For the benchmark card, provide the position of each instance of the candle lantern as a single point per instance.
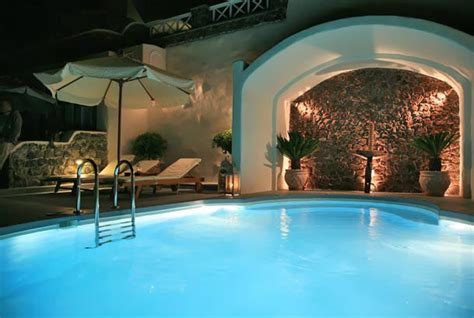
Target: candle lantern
(224, 171)
(232, 184)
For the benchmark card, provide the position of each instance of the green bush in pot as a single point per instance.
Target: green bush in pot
(149, 146)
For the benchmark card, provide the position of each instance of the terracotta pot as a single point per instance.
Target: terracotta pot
(434, 183)
(296, 178)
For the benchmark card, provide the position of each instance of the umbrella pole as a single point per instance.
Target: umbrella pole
(119, 134)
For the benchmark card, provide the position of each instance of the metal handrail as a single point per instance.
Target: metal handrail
(132, 191)
(77, 211)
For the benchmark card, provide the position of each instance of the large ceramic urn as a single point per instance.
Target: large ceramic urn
(434, 183)
(296, 178)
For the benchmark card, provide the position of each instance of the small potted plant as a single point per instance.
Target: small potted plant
(434, 182)
(295, 148)
(223, 140)
(149, 146)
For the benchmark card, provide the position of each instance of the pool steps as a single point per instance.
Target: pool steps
(103, 233)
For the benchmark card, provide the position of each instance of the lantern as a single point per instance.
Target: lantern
(232, 184)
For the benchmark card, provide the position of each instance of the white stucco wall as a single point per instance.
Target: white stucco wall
(311, 56)
(208, 62)
(134, 121)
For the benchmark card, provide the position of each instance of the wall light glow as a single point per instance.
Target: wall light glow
(438, 99)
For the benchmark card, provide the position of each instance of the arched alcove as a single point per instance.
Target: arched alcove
(396, 106)
(264, 90)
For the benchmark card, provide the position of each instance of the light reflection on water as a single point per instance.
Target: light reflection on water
(284, 224)
(372, 228)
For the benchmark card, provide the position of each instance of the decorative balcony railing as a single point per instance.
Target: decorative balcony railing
(237, 8)
(171, 25)
(224, 11)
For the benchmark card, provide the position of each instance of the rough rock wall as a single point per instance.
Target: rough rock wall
(402, 104)
(31, 161)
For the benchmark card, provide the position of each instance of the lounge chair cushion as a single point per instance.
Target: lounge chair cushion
(179, 169)
(148, 166)
(109, 169)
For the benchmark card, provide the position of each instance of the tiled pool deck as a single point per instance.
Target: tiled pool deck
(20, 208)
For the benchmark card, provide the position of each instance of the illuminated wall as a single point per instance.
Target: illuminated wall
(263, 91)
(402, 104)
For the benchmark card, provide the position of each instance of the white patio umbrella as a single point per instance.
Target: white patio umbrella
(117, 81)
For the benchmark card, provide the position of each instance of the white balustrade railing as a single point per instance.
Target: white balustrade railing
(171, 25)
(220, 12)
(237, 8)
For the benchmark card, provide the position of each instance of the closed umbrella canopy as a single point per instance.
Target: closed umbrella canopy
(26, 90)
(117, 81)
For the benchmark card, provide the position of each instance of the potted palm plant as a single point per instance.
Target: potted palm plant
(295, 148)
(433, 181)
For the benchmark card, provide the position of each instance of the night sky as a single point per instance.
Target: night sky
(53, 30)
(154, 10)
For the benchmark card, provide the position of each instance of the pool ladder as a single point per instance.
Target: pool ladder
(104, 233)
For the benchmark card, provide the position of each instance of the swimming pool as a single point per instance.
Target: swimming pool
(307, 257)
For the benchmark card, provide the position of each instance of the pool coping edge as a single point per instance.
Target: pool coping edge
(72, 220)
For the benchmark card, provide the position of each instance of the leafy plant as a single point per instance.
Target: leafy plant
(149, 146)
(223, 140)
(434, 145)
(296, 147)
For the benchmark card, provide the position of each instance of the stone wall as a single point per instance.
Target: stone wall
(31, 161)
(402, 104)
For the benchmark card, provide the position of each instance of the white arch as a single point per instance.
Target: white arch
(263, 90)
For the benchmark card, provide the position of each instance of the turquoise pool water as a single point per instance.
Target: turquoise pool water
(268, 259)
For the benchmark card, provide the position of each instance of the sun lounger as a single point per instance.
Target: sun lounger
(147, 167)
(105, 176)
(174, 175)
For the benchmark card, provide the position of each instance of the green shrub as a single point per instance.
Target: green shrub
(149, 146)
(223, 140)
(296, 147)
